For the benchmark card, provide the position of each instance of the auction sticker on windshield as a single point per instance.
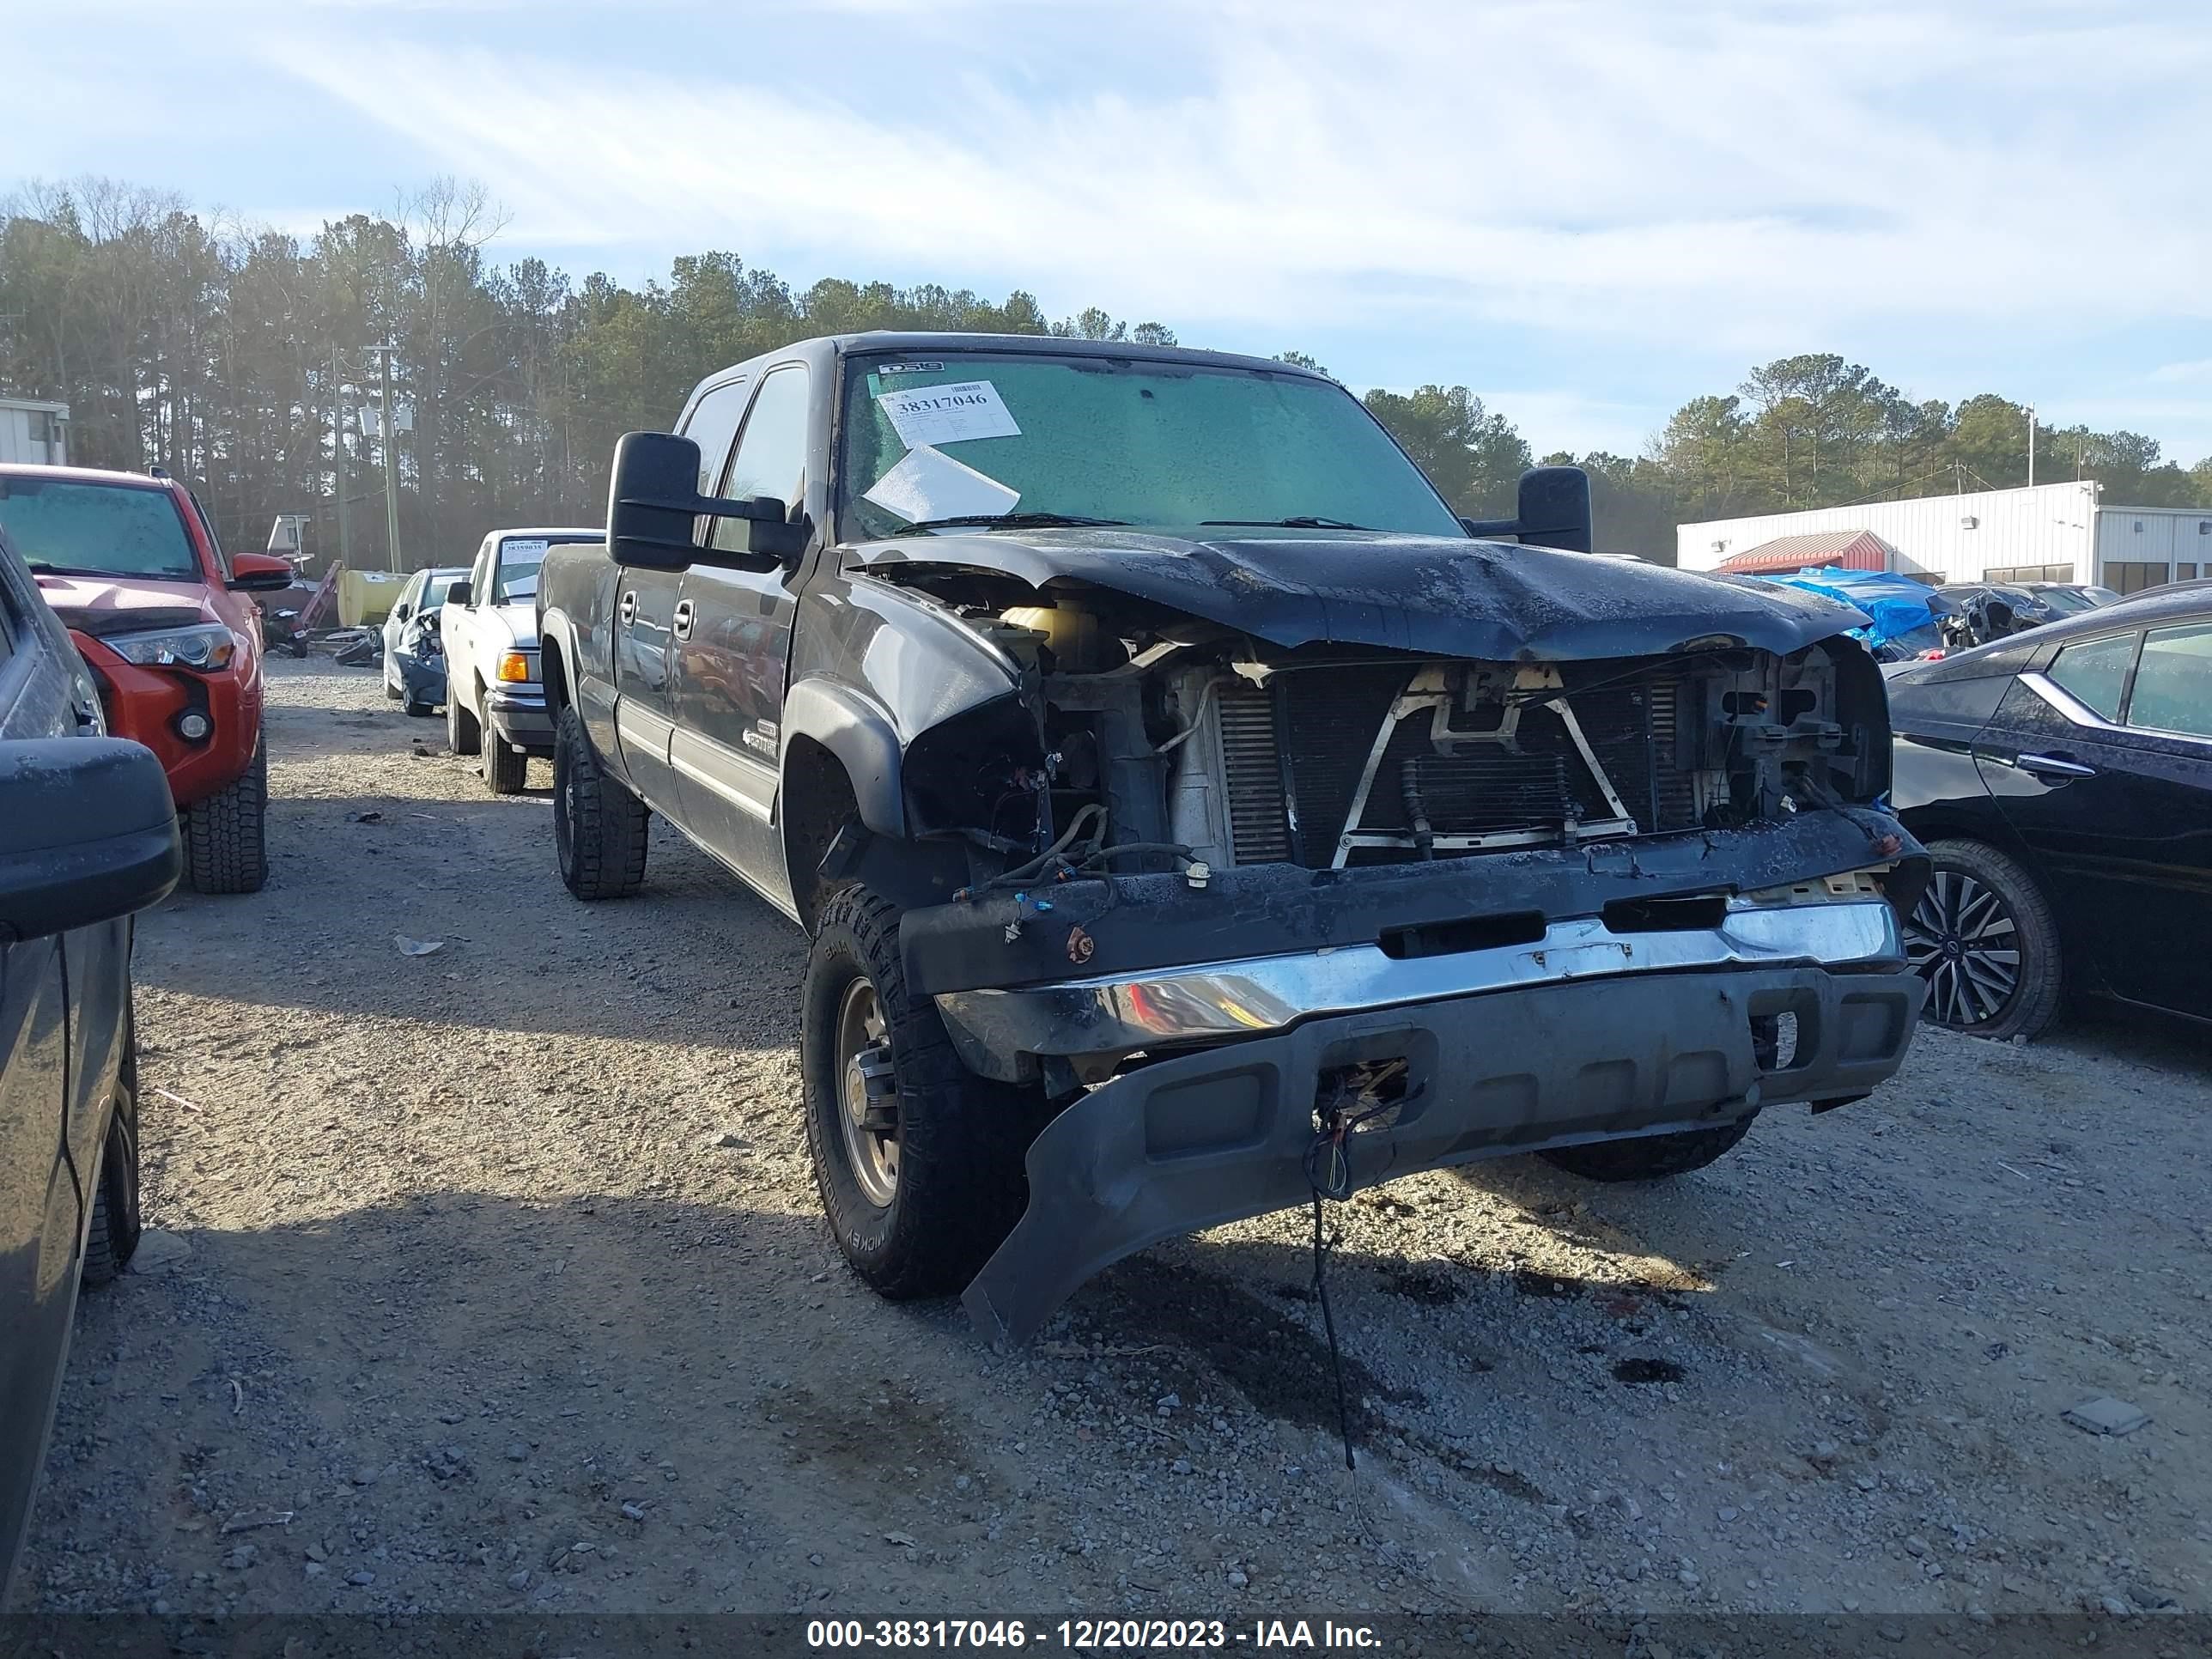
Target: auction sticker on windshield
(926, 484)
(948, 414)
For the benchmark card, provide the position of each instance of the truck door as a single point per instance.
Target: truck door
(644, 621)
(733, 631)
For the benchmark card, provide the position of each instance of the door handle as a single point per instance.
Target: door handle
(629, 610)
(682, 628)
(2053, 767)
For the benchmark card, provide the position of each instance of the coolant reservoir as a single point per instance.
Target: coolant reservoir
(1077, 641)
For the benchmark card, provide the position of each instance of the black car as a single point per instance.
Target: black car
(88, 835)
(2063, 782)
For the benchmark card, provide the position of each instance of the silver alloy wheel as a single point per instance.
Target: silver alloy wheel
(1961, 938)
(867, 1094)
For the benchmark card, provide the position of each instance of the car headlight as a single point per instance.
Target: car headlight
(204, 646)
(515, 667)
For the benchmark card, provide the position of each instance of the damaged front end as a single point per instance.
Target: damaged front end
(1235, 886)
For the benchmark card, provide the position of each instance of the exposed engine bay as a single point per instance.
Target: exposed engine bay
(1163, 742)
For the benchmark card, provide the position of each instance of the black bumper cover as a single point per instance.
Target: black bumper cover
(1222, 1135)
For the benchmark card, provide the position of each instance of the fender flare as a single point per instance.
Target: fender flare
(554, 628)
(859, 734)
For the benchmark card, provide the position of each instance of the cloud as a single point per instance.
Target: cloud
(1746, 177)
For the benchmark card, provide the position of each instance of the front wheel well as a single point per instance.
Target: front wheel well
(817, 799)
(553, 674)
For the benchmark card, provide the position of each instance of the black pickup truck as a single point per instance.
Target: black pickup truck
(1189, 812)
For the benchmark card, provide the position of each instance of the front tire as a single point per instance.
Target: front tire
(919, 1161)
(506, 769)
(226, 836)
(1983, 937)
(598, 826)
(1649, 1158)
(117, 1219)
(463, 736)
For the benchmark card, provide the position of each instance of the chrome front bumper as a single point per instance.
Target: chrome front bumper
(1094, 1024)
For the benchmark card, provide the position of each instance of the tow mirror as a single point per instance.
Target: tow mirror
(1553, 511)
(90, 833)
(653, 509)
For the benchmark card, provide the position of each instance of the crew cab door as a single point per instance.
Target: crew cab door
(644, 624)
(2109, 752)
(733, 642)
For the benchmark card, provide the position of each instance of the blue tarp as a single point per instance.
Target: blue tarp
(1893, 605)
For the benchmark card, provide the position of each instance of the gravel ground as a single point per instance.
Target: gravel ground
(500, 1272)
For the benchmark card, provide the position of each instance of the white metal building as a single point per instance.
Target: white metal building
(2057, 533)
(33, 432)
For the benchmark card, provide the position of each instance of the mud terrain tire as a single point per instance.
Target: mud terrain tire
(598, 826)
(960, 1183)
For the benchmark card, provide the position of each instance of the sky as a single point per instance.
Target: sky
(1586, 211)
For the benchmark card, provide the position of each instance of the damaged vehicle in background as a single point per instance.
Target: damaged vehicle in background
(1191, 815)
(414, 646)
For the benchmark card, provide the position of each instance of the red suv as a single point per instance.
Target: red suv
(131, 565)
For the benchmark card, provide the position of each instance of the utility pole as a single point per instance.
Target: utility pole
(338, 458)
(2031, 446)
(391, 464)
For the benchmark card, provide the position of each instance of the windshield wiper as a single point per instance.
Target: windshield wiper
(1007, 521)
(1306, 522)
(44, 567)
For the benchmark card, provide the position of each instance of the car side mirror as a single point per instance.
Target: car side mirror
(1553, 511)
(402, 610)
(90, 833)
(653, 509)
(458, 594)
(258, 573)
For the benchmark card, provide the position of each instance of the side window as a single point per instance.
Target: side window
(771, 457)
(712, 425)
(2096, 671)
(2173, 684)
(480, 574)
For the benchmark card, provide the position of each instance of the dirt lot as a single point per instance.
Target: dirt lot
(503, 1275)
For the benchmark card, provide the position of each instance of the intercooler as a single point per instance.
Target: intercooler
(1295, 752)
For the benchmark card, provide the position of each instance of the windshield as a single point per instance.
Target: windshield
(433, 590)
(2067, 601)
(519, 559)
(950, 435)
(97, 529)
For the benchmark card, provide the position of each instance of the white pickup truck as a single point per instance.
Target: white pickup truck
(494, 705)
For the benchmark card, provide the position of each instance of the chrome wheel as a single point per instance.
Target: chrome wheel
(868, 1091)
(1961, 938)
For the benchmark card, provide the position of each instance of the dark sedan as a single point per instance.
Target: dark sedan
(2061, 780)
(88, 835)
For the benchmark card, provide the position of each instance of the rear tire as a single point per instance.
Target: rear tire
(1983, 937)
(506, 769)
(226, 836)
(956, 1140)
(463, 736)
(598, 826)
(1649, 1158)
(117, 1220)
